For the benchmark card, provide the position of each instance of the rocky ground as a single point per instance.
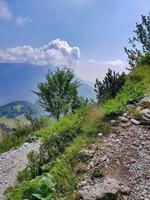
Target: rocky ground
(119, 163)
(11, 163)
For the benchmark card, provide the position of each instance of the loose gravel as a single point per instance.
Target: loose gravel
(12, 162)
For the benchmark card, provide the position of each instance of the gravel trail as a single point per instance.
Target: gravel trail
(12, 162)
(124, 159)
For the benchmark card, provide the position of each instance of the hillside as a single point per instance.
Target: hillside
(95, 153)
(27, 76)
(17, 108)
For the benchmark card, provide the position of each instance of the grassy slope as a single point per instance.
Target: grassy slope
(58, 180)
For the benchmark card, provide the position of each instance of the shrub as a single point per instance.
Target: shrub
(131, 92)
(110, 86)
(22, 129)
(96, 173)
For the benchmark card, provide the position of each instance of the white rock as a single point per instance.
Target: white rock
(145, 102)
(113, 122)
(146, 112)
(134, 121)
(123, 119)
(100, 134)
(125, 114)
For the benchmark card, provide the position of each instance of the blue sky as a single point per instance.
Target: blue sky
(100, 29)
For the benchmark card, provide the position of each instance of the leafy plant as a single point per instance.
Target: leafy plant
(46, 188)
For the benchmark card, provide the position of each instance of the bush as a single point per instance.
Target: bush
(22, 129)
(110, 86)
(96, 173)
(131, 92)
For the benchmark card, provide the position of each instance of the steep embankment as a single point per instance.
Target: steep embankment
(12, 162)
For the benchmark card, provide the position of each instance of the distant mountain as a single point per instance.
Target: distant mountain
(17, 80)
(17, 108)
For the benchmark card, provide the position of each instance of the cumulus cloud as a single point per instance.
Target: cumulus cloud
(21, 21)
(57, 52)
(5, 13)
(92, 69)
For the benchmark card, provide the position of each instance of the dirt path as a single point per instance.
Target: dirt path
(124, 160)
(11, 163)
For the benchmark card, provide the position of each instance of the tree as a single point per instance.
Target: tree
(140, 43)
(59, 95)
(110, 86)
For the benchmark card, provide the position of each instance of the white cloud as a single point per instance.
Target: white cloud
(91, 69)
(21, 21)
(5, 13)
(57, 52)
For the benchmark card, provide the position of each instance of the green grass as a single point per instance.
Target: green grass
(136, 86)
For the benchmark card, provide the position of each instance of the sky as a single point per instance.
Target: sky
(88, 35)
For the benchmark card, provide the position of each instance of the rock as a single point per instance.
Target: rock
(123, 119)
(147, 120)
(104, 158)
(111, 189)
(86, 154)
(145, 112)
(100, 134)
(134, 121)
(125, 114)
(125, 190)
(113, 122)
(130, 107)
(91, 165)
(145, 102)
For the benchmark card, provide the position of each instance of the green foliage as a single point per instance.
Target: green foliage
(55, 139)
(45, 189)
(96, 173)
(145, 60)
(108, 196)
(110, 86)
(131, 92)
(140, 43)
(59, 95)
